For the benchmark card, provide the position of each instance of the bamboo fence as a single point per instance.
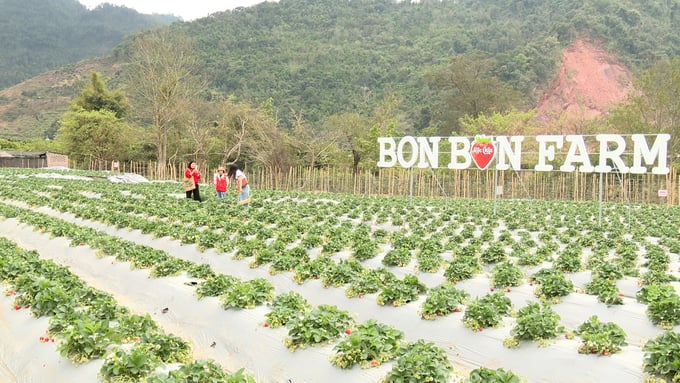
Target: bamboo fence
(469, 183)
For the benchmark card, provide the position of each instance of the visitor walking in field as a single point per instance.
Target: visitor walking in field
(241, 184)
(192, 173)
(221, 182)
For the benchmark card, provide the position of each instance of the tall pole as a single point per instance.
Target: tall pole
(601, 193)
(410, 186)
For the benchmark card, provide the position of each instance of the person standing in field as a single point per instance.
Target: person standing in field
(221, 182)
(241, 184)
(193, 172)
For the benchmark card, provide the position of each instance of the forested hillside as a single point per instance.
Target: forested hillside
(40, 35)
(310, 82)
(328, 56)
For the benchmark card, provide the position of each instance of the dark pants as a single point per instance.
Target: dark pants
(195, 193)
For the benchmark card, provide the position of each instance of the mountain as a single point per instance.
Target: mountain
(324, 57)
(41, 35)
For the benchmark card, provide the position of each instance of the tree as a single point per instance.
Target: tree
(654, 106)
(162, 79)
(96, 96)
(468, 89)
(94, 126)
(96, 134)
(313, 146)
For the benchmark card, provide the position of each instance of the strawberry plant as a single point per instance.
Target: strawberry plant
(494, 253)
(285, 307)
(199, 371)
(85, 340)
(569, 260)
(400, 292)
(600, 338)
(167, 348)
(133, 366)
(321, 324)
(341, 273)
(248, 294)
(369, 281)
(420, 362)
(313, 269)
(202, 271)
(397, 257)
(506, 274)
(605, 289)
(216, 286)
(552, 284)
(442, 300)
(487, 375)
(429, 261)
(535, 322)
(370, 345)
(654, 292)
(662, 356)
(130, 326)
(169, 267)
(487, 311)
(461, 268)
(665, 311)
(289, 259)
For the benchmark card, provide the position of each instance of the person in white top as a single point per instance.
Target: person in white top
(241, 184)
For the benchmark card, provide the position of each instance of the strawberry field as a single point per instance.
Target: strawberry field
(128, 282)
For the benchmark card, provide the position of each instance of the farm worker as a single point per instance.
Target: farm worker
(193, 172)
(221, 182)
(242, 187)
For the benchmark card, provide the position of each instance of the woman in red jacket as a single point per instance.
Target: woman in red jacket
(193, 172)
(221, 182)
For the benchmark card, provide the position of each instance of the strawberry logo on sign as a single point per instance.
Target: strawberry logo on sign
(482, 151)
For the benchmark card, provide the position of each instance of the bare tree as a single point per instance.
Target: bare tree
(312, 145)
(162, 76)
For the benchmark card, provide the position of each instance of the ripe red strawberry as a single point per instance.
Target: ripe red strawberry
(374, 363)
(482, 151)
(17, 307)
(508, 290)
(457, 309)
(348, 331)
(622, 294)
(491, 289)
(266, 324)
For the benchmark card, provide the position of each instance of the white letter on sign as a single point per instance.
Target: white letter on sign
(659, 151)
(429, 155)
(614, 155)
(414, 152)
(547, 152)
(387, 150)
(577, 153)
(458, 152)
(505, 151)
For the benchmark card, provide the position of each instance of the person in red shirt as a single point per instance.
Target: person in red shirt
(193, 172)
(221, 182)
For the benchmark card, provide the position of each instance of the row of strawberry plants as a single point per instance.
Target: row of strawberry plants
(88, 324)
(306, 327)
(586, 242)
(504, 274)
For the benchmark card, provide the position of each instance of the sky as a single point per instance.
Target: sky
(186, 9)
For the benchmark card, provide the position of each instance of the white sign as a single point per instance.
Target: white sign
(609, 150)
(663, 193)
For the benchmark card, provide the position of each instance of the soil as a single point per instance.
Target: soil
(589, 83)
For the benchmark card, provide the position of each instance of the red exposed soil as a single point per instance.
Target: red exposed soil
(589, 83)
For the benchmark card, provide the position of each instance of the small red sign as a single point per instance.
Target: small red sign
(482, 151)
